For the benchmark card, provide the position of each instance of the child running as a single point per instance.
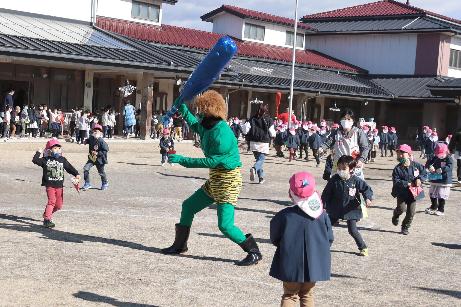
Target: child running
(97, 156)
(341, 197)
(302, 234)
(407, 174)
(166, 145)
(53, 164)
(292, 143)
(441, 168)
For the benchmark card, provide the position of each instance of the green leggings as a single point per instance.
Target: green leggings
(199, 201)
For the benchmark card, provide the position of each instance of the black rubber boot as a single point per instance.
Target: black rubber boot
(180, 241)
(254, 255)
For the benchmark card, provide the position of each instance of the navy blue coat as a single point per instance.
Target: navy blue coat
(383, 138)
(280, 138)
(447, 169)
(392, 138)
(303, 136)
(303, 246)
(100, 146)
(315, 141)
(339, 203)
(402, 175)
(292, 141)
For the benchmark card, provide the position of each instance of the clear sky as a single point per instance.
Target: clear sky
(186, 13)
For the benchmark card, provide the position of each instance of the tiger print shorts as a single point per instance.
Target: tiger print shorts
(224, 185)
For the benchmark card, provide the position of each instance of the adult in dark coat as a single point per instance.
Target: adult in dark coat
(303, 236)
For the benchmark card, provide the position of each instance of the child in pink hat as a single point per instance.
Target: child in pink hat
(302, 234)
(97, 156)
(54, 165)
(166, 144)
(292, 143)
(407, 176)
(342, 199)
(392, 140)
(440, 168)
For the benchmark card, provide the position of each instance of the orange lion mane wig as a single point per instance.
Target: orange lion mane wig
(211, 104)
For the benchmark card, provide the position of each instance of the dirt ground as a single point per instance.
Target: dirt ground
(105, 247)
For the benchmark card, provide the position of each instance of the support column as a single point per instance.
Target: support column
(119, 81)
(147, 89)
(382, 114)
(250, 97)
(320, 100)
(88, 93)
(138, 91)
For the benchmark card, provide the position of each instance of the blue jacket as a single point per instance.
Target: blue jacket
(447, 169)
(280, 138)
(292, 141)
(129, 115)
(384, 138)
(402, 175)
(338, 201)
(100, 146)
(315, 141)
(165, 144)
(392, 138)
(303, 246)
(303, 136)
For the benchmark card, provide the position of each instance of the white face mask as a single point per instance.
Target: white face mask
(347, 123)
(344, 174)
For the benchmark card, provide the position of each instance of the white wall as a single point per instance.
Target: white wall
(78, 10)
(225, 23)
(455, 44)
(378, 53)
(121, 9)
(228, 24)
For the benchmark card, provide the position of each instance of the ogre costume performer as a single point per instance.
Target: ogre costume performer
(222, 157)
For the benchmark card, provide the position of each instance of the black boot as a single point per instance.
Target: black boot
(180, 241)
(254, 255)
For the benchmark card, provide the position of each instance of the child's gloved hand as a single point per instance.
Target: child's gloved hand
(175, 158)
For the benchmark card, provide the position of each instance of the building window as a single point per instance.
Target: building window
(146, 11)
(455, 58)
(299, 39)
(254, 32)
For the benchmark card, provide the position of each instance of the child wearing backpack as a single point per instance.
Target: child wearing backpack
(302, 234)
(440, 167)
(53, 165)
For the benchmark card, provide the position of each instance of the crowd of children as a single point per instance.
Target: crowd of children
(298, 263)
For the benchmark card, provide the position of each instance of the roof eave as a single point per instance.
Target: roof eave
(448, 30)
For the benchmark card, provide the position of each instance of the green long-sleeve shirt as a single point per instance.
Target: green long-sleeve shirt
(218, 144)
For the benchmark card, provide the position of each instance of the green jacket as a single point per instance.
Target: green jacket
(218, 144)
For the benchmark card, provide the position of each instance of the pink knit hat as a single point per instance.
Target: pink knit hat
(405, 148)
(303, 194)
(441, 149)
(52, 143)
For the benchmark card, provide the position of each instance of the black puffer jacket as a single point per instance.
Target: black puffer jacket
(259, 131)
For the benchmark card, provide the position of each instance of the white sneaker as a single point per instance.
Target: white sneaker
(429, 211)
(438, 213)
(163, 164)
(252, 174)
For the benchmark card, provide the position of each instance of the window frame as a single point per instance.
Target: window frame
(292, 34)
(254, 27)
(455, 59)
(150, 8)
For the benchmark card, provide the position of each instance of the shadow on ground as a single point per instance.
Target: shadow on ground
(453, 293)
(446, 245)
(180, 176)
(25, 225)
(96, 298)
